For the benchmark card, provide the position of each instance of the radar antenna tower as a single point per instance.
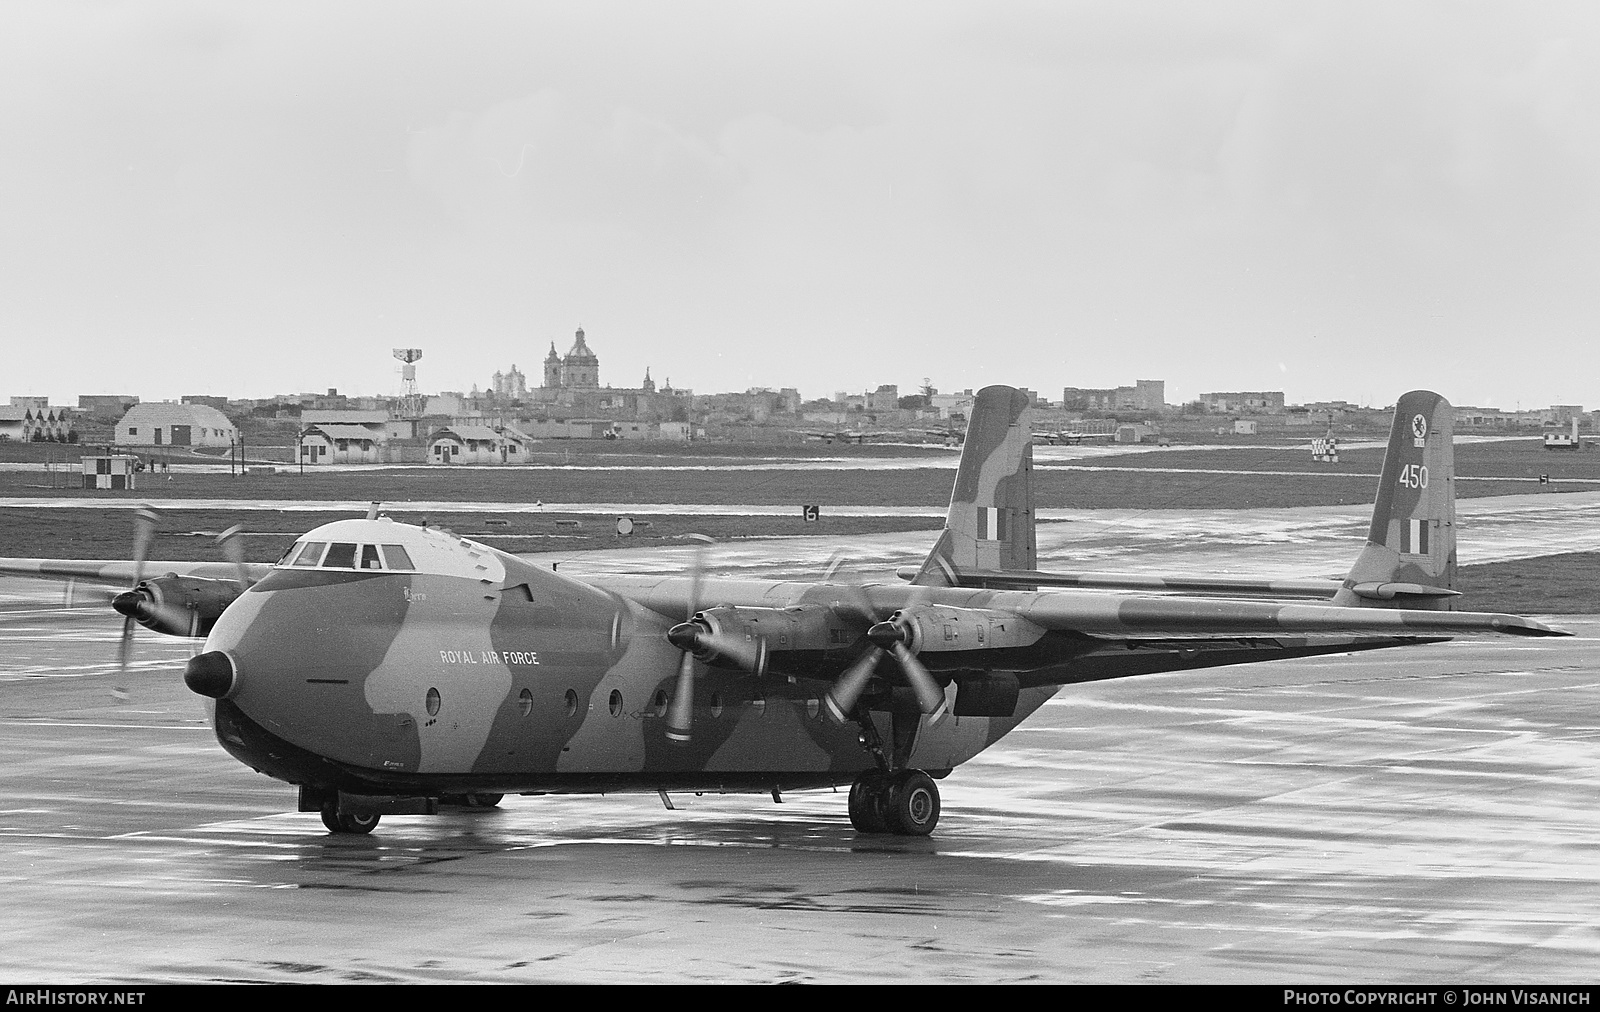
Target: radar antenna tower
(410, 393)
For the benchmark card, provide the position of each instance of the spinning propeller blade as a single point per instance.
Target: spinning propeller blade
(145, 520)
(232, 545)
(680, 712)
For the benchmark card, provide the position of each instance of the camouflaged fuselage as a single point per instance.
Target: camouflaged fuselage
(478, 671)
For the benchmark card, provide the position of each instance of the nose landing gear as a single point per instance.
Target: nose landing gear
(905, 802)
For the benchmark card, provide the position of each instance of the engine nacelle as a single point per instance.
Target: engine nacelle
(178, 605)
(736, 637)
(938, 628)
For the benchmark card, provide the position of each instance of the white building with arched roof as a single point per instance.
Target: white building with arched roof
(167, 423)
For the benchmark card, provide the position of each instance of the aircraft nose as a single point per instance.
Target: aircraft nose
(210, 674)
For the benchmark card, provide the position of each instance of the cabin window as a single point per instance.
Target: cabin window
(572, 702)
(432, 702)
(615, 702)
(396, 557)
(341, 555)
(311, 554)
(369, 557)
(525, 702)
(716, 704)
(661, 702)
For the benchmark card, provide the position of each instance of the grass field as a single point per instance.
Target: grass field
(1164, 479)
(1567, 584)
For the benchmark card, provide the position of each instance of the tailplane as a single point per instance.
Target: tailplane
(990, 522)
(1410, 557)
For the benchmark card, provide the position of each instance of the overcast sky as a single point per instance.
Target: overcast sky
(1341, 200)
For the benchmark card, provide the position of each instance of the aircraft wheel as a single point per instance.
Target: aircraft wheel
(868, 801)
(483, 800)
(912, 804)
(359, 823)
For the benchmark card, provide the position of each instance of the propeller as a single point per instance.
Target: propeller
(232, 546)
(895, 636)
(145, 520)
(680, 712)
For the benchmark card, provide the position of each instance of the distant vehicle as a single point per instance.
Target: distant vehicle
(1067, 437)
(841, 435)
(951, 435)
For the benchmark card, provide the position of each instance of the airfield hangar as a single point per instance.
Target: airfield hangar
(165, 423)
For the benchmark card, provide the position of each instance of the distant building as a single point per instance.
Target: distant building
(378, 423)
(1144, 395)
(885, 398)
(220, 403)
(578, 369)
(512, 385)
(477, 444)
(106, 407)
(951, 405)
(163, 423)
(334, 443)
(36, 403)
(20, 424)
(1265, 402)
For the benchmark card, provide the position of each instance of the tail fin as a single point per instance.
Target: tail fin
(990, 523)
(1410, 557)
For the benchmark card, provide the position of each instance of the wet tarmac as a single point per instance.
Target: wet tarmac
(1312, 541)
(1418, 815)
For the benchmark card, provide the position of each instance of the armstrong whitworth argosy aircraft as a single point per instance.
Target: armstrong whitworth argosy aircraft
(386, 668)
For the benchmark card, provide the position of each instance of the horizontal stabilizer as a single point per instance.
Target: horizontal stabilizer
(1391, 591)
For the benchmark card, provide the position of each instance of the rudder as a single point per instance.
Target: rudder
(990, 521)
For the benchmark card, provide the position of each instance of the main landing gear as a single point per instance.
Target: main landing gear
(904, 802)
(348, 822)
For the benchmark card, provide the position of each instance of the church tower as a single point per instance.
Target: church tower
(552, 369)
(649, 385)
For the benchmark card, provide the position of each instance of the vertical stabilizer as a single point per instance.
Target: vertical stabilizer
(990, 522)
(1410, 557)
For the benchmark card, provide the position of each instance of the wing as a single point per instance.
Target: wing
(118, 573)
(998, 579)
(1104, 614)
(1089, 613)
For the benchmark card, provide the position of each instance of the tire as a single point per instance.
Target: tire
(912, 805)
(356, 823)
(867, 797)
(483, 800)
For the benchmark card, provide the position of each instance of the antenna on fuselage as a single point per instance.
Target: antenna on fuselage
(372, 510)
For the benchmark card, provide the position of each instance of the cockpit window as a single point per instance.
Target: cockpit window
(341, 555)
(369, 557)
(397, 557)
(310, 553)
(288, 553)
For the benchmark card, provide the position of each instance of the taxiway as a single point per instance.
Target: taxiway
(1417, 815)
